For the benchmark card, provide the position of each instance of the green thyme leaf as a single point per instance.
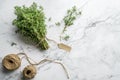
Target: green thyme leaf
(57, 23)
(50, 19)
(66, 37)
(13, 43)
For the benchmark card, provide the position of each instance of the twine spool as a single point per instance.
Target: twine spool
(29, 72)
(11, 62)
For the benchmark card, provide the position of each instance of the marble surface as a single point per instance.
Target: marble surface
(94, 38)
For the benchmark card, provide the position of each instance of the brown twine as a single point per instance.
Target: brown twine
(16, 62)
(29, 71)
(27, 58)
(45, 60)
(61, 45)
(11, 62)
(64, 69)
(40, 42)
(51, 40)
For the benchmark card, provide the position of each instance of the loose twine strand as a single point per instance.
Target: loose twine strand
(27, 58)
(47, 40)
(43, 61)
(51, 40)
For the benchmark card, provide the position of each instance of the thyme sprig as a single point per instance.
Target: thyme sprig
(70, 17)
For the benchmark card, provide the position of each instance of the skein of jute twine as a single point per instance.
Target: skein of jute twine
(13, 61)
(30, 71)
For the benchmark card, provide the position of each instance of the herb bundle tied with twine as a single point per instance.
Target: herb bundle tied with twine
(30, 22)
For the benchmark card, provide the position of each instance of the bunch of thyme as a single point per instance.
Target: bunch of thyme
(30, 22)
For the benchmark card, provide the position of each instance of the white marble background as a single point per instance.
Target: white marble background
(94, 37)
